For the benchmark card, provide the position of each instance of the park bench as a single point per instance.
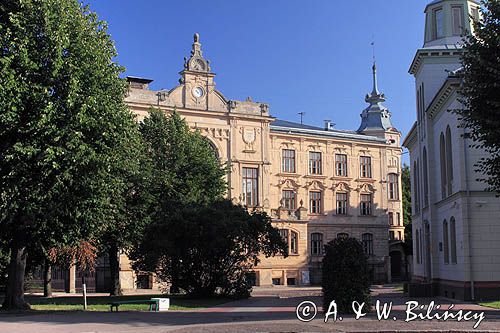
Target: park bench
(153, 304)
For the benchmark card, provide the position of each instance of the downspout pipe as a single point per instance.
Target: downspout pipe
(467, 217)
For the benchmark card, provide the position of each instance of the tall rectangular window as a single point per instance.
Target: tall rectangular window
(294, 242)
(250, 187)
(314, 163)
(391, 218)
(288, 160)
(366, 204)
(393, 186)
(315, 202)
(341, 165)
(438, 23)
(289, 199)
(365, 166)
(367, 241)
(398, 218)
(341, 203)
(316, 244)
(457, 13)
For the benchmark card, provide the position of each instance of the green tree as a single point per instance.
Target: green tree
(63, 128)
(131, 213)
(481, 91)
(184, 168)
(406, 185)
(346, 276)
(210, 248)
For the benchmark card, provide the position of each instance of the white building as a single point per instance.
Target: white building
(456, 224)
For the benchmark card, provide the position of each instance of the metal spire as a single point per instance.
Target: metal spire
(374, 72)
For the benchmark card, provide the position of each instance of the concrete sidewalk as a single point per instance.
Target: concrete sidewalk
(268, 311)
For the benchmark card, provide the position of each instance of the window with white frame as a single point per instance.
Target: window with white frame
(438, 23)
(366, 204)
(288, 160)
(289, 199)
(341, 203)
(367, 241)
(393, 180)
(315, 202)
(365, 167)
(314, 163)
(316, 244)
(341, 165)
(250, 187)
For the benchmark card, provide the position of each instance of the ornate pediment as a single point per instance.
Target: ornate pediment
(288, 183)
(365, 188)
(341, 187)
(315, 185)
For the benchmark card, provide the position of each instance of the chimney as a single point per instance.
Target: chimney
(138, 82)
(328, 125)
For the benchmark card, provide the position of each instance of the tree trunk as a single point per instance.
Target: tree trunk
(14, 293)
(47, 279)
(114, 267)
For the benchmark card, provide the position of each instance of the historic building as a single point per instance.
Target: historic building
(456, 230)
(317, 183)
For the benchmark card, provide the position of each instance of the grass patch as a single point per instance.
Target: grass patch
(495, 304)
(399, 287)
(101, 303)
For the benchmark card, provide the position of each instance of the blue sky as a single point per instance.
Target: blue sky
(309, 56)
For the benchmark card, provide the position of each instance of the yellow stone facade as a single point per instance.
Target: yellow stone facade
(245, 135)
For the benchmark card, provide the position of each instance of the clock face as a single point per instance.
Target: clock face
(197, 92)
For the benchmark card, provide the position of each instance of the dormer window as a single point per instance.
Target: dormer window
(458, 20)
(438, 23)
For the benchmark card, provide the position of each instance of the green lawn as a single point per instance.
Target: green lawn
(495, 304)
(101, 303)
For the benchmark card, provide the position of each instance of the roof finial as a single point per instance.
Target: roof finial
(196, 37)
(374, 70)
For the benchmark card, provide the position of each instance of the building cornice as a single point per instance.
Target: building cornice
(411, 137)
(443, 51)
(327, 134)
(451, 84)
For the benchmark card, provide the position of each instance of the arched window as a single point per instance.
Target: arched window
(426, 177)
(316, 244)
(416, 195)
(442, 160)
(445, 243)
(342, 235)
(449, 161)
(453, 240)
(393, 180)
(367, 241)
(213, 147)
(417, 246)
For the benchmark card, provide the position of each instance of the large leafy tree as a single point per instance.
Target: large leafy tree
(64, 129)
(184, 167)
(209, 250)
(481, 91)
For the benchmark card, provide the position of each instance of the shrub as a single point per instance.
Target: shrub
(346, 275)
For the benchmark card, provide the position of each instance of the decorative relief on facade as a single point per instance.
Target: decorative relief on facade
(249, 137)
(288, 183)
(341, 187)
(315, 185)
(366, 188)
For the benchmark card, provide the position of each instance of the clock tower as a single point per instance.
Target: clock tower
(197, 78)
